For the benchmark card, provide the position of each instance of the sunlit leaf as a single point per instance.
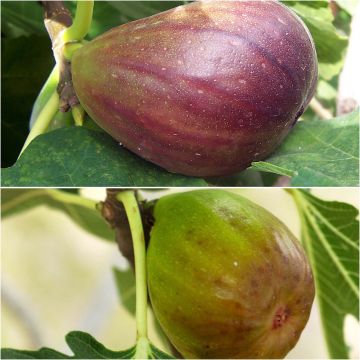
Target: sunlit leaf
(330, 234)
(77, 156)
(80, 210)
(83, 346)
(319, 153)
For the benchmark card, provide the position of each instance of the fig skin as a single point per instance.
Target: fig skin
(226, 278)
(203, 89)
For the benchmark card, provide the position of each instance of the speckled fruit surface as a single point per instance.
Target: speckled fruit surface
(226, 278)
(203, 89)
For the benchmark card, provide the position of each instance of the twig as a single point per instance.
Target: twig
(43, 120)
(114, 213)
(80, 27)
(319, 110)
(57, 20)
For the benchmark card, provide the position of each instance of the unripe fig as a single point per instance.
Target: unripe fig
(226, 278)
(203, 89)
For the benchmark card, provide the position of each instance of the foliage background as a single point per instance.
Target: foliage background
(62, 276)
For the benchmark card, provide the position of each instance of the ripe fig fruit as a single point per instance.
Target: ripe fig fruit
(203, 89)
(226, 278)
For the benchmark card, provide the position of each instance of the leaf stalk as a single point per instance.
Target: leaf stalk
(43, 120)
(129, 201)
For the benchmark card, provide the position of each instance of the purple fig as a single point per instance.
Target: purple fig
(203, 89)
(226, 278)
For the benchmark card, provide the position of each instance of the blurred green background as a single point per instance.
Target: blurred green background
(57, 278)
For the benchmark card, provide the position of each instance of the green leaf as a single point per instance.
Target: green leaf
(119, 12)
(248, 177)
(26, 62)
(348, 5)
(77, 157)
(24, 16)
(158, 354)
(330, 45)
(327, 94)
(83, 346)
(80, 210)
(125, 282)
(140, 9)
(330, 233)
(319, 153)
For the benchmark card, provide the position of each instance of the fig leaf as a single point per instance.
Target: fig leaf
(120, 12)
(125, 283)
(84, 346)
(330, 44)
(330, 234)
(81, 210)
(319, 153)
(77, 156)
(23, 17)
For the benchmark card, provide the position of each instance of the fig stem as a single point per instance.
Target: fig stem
(81, 23)
(130, 203)
(319, 109)
(69, 50)
(45, 94)
(43, 120)
(72, 199)
(78, 114)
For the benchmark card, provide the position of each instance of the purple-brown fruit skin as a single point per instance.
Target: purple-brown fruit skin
(203, 89)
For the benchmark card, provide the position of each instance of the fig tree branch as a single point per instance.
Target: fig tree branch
(57, 19)
(132, 210)
(320, 110)
(114, 213)
(43, 120)
(81, 25)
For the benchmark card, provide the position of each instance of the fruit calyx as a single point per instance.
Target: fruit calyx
(280, 318)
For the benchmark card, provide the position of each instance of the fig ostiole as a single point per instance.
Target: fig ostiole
(226, 278)
(203, 89)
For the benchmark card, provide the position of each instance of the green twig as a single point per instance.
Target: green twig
(72, 199)
(45, 93)
(70, 48)
(81, 24)
(58, 195)
(43, 120)
(69, 43)
(319, 109)
(133, 213)
(78, 113)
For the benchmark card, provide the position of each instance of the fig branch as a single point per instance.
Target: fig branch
(129, 201)
(320, 110)
(81, 25)
(66, 38)
(57, 19)
(43, 120)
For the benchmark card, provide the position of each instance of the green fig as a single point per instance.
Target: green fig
(226, 278)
